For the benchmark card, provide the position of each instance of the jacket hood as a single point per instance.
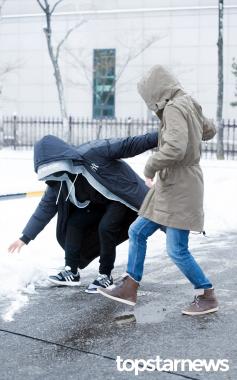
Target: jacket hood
(55, 154)
(62, 166)
(158, 86)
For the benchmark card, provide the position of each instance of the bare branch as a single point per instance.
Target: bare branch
(54, 56)
(1, 6)
(9, 67)
(82, 65)
(74, 83)
(145, 46)
(2, 3)
(55, 5)
(66, 37)
(131, 55)
(41, 5)
(87, 76)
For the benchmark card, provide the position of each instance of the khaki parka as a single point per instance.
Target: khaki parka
(176, 199)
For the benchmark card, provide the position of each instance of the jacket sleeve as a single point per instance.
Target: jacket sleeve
(131, 146)
(173, 145)
(209, 129)
(44, 212)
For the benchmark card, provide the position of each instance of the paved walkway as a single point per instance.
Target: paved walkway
(67, 334)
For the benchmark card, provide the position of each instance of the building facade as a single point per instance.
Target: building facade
(102, 60)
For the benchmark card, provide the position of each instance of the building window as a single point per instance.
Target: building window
(104, 83)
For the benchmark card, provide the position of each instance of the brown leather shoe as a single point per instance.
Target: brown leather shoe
(203, 304)
(125, 292)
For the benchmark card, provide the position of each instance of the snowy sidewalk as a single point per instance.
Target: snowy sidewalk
(67, 334)
(54, 333)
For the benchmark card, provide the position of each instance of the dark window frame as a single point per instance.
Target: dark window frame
(104, 77)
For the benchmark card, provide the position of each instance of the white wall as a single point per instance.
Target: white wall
(187, 44)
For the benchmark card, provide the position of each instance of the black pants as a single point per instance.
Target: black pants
(109, 219)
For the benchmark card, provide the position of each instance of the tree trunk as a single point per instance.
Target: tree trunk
(61, 98)
(57, 75)
(220, 143)
(1, 118)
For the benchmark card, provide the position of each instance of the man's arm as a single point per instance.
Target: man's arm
(209, 129)
(131, 146)
(44, 212)
(174, 143)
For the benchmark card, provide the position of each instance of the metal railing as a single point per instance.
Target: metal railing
(23, 132)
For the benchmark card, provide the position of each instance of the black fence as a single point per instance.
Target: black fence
(23, 132)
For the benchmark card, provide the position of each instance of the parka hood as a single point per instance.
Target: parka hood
(54, 153)
(158, 86)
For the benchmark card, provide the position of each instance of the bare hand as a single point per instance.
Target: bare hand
(149, 182)
(17, 245)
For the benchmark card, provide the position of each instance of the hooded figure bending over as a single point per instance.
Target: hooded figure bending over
(174, 203)
(96, 196)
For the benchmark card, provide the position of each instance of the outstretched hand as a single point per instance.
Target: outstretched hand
(16, 246)
(149, 182)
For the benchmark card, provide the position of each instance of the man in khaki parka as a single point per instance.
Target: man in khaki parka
(174, 203)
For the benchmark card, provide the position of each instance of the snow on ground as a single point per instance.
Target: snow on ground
(22, 272)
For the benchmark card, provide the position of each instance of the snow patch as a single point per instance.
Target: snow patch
(21, 273)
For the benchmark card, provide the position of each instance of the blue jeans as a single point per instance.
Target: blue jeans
(177, 248)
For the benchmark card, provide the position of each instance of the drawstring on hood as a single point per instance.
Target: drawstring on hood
(72, 185)
(71, 189)
(59, 192)
(54, 158)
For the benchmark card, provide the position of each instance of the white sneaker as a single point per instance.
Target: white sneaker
(101, 281)
(66, 278)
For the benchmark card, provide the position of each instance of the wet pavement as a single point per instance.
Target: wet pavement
(65, 333)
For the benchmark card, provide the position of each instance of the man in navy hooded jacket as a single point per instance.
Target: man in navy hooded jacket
(96, 196)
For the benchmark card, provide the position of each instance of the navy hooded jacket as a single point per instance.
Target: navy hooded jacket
(102, 160)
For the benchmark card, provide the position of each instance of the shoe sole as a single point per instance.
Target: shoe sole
(94, 291)
(200, 312)
(91, 291)
(130, 303)
(65, 283)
